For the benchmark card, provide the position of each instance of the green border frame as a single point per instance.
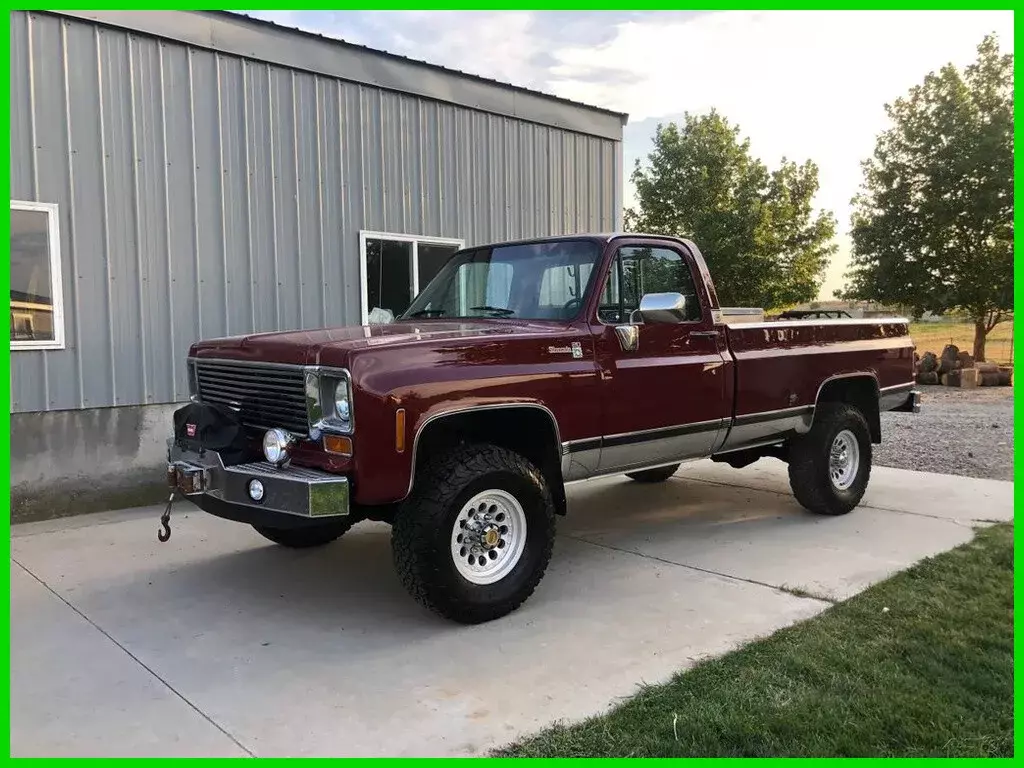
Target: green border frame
(764, 5)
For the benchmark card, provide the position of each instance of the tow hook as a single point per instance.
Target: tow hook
(165, 521)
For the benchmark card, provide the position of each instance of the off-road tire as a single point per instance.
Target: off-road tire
(422, 530)
(809, 461)
(657, 475)
(306, 536)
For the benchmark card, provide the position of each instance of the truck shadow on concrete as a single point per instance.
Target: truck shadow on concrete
(350, 585)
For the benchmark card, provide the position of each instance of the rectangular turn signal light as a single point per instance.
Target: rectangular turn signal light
(338, 444)
(400, 430)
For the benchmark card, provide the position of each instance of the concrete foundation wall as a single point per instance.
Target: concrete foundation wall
(71, 462)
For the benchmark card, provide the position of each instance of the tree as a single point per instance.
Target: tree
(757, 229)
(933, 224)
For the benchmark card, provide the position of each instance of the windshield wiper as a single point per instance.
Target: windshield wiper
(503, 311)
(427, 313)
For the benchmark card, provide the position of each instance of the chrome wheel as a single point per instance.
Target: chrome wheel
(844, 460)
(488, 537)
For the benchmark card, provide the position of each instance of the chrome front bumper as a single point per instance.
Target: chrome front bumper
(298, 491)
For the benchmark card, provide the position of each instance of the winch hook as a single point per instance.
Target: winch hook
(165, 521)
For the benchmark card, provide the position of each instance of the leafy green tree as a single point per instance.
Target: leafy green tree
(933, 225)
(757, 229)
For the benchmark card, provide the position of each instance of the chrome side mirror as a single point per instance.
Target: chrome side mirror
(666, 308)
(629, 337)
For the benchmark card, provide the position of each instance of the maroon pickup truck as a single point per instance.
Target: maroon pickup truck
(523, 367)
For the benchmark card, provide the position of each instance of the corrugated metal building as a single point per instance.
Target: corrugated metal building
(183, 175)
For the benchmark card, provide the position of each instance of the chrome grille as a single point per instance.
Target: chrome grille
(264, 396)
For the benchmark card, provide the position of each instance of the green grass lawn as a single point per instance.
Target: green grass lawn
(932, 337)
(930, 676)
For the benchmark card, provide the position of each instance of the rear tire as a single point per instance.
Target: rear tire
(472, 541)
(306, 536)
(829, 467)
(657, 475)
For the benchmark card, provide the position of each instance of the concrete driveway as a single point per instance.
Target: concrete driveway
(219, 643)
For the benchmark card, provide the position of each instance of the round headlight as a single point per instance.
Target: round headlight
(275, 445)
(255, 490)
(341, 405)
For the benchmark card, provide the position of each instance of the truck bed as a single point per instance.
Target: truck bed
(780, 366)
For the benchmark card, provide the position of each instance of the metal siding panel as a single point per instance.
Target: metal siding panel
(556, 187)
(390, 141)
(260, 194)
(332, 200)
(514, 200)
(572, 156)
(354, 190)
(57, 387)
(281, 106)
(238, 296)
(152, 254)
(542, 183)
(94, 325)
(431, 191)
(308, 264)
(27, 368)
(591, 206)
(415, 185)
(21, 138)
(122, 243)
(371, 151)
(531, 199)
(209, 178)
(185, 310)
(464, 157)
(448, 169)
(479, 198)
(319, 193)
(497, 220)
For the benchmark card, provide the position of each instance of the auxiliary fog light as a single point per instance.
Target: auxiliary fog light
(276, 443)
(256, 490)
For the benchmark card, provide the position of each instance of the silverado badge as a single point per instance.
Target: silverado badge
(575, 349)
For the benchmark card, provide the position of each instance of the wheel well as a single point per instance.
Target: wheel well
(527, 430)
(860, 392)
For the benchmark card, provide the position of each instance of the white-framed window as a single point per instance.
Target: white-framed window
(37, 306)
(395, 268)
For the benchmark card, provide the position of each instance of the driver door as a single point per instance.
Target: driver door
(665, 399)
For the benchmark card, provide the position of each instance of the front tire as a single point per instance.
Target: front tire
(829, 467)
(656, 475)
(472, 541)
(306, 536)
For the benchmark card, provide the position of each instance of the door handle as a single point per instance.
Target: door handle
(703, 333)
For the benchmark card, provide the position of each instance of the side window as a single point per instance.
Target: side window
(37, 309)
(639, 271)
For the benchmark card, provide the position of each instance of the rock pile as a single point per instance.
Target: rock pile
(954, 368)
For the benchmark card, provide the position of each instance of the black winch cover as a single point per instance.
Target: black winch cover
(211, 427)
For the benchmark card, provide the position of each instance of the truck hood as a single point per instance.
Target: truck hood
(330, 346)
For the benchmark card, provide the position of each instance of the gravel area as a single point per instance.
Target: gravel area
(965, 432)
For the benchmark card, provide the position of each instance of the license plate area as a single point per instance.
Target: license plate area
(187, 478)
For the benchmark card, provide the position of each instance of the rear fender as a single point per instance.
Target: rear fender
(857, 389)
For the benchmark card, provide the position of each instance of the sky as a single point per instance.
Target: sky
(800, 84)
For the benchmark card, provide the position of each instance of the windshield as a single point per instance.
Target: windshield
(535, 281)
